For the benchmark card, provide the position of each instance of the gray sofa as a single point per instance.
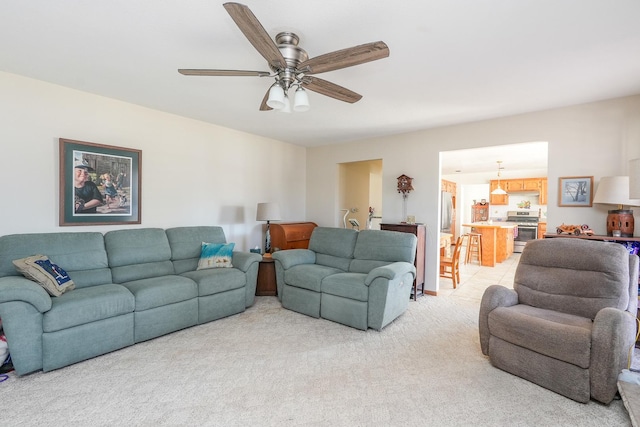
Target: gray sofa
(130, 286)
(360, 279)
(569, 324)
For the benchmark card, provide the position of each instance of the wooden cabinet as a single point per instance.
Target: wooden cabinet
(518, 185)
(419, 230)
(479, 212)
(542, 229)
(294, 235)
(266, 283)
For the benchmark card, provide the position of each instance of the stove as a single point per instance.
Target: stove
(527, 228)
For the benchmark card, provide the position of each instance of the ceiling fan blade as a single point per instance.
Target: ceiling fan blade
(256, 34)
(345, 58)
(330, 89)
(263, 105)
(205, 72)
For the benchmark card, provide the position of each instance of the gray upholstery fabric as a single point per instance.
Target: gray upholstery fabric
(566, 325)
(333, 246)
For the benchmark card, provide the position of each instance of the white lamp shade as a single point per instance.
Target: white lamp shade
(499, 191)
(614, 190)
(268, 212)
(287, 105)
(276, 97)
(634, 179)
(301, 100)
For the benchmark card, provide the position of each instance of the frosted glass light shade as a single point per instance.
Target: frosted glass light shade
(287, 105)
(301, 100)
(634, 179)
(499, 191)
(276, 97)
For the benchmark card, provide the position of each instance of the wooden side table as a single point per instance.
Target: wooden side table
(266, 285)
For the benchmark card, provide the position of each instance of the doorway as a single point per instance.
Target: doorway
(359, 190)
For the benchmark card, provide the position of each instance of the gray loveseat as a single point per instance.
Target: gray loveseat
(130, 286)
(360, 279)
(569, 323)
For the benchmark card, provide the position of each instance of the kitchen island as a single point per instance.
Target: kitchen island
(497, 240)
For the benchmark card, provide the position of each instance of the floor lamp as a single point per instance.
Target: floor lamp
(268, 212)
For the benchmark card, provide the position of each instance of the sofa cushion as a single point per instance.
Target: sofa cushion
(555, 334)
(53, 278)
(216, 255)
(86, 305)
(215, 280)
(308, 276)
(159, 291)
(346, 285)
(186, 244)
(375, 248)
(82, 254)
(138, 254)
(574, 276)
(333, 246)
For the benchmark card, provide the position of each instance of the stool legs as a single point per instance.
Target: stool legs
(474, 248)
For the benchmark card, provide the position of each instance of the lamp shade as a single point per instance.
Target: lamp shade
(614, 190)
(276, 97)
(268, 212)
(301, 100)
(634, 179)
(499, 191)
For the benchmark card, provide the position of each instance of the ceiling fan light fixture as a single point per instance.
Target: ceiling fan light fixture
(287, 105)
(301, 100)
(276, 97)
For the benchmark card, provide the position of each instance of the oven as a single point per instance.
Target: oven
(527, 228)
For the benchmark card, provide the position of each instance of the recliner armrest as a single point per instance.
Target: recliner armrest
(612, 342)
(291, 257)
(494, 296)
(390, 271)
(243, 260)
(18, 288)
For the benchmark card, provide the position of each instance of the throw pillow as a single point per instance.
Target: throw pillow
(50, 276)
(215, 255)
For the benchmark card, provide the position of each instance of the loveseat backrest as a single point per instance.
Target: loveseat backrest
(138, 254)
(81, 254)
(333, 246)
(576, 276)
(186, 245)
(375, 248)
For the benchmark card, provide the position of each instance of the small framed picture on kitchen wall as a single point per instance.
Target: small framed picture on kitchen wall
(99, 184)
(575, 191)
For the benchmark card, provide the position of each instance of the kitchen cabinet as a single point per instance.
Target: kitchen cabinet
(542, 228)
(479, 212)
(497, 241)
(518, 185)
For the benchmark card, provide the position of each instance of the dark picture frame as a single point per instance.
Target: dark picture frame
(575, 191)
(99, 184)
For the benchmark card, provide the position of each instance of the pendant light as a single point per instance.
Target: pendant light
(499, 191)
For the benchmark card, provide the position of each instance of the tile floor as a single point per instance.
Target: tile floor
(474, 279)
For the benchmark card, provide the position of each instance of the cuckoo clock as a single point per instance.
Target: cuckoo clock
(404, 184)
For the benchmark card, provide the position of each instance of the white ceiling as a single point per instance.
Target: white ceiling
(451, 61)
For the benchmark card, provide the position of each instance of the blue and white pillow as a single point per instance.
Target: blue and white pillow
(50, 276)
(216, 255)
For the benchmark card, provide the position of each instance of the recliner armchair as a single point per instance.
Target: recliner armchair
(569, 323)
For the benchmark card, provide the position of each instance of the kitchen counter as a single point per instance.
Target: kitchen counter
(497, 240)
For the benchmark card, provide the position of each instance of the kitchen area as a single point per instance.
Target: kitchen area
(506, 207)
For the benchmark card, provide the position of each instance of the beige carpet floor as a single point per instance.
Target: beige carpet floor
(272, 367)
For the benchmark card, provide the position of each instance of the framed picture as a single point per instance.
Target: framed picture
(575, 191)
(99, 184)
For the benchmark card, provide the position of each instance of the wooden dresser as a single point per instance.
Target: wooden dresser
(293, 235)
(419, 230)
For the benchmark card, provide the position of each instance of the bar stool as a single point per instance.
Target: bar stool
(474, 248)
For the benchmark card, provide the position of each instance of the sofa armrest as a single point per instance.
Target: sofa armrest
(292, 257)
(390, 271)
(494, 296)
(243, 260)
(612, 342)
(19, 288)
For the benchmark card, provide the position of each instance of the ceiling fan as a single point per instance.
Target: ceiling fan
(290, 65)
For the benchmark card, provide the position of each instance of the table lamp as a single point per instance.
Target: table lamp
(268, 212)
(614, 190)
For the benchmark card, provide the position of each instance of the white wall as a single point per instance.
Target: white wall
(594, 139)
(193, 173)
